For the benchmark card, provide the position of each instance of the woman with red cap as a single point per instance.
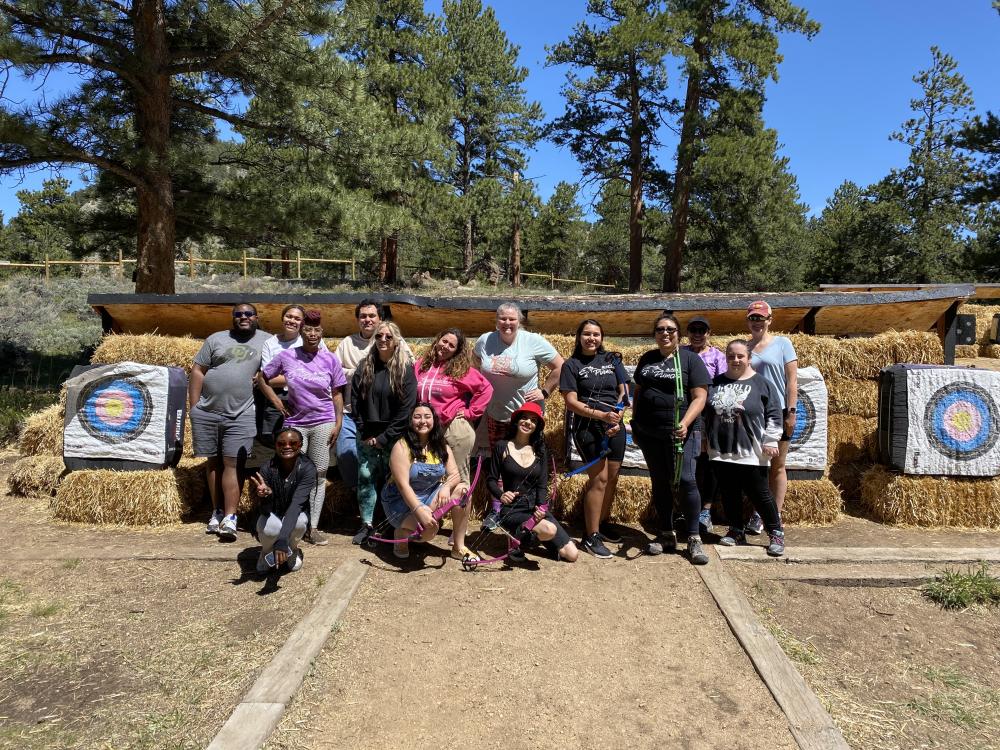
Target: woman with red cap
(315, 382)
(775, 359)
(519, 477)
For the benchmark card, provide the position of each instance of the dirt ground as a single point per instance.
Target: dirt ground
(895, 670)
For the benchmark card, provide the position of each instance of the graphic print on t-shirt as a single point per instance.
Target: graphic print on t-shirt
(240, 353)
(502, 364)
(662, 369)
(727, 400)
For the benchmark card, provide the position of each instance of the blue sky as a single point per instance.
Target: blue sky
(838, 98)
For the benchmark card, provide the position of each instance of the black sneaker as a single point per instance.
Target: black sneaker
(755, 525)
(608, 533)
(516, 555)
(665, 542)
(363, 533)
(595, 546)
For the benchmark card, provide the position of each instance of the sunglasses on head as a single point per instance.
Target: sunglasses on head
(666, 329)
(244, 314)
(757, 318)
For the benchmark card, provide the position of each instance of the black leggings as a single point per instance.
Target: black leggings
(708, 483)
(659, 456)
(735, 479)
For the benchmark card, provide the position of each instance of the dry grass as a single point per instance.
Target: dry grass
(35, 475)
(149, 349)
(966, 351)
(984, 317)
(854, 397)
(954, 502)
(851, 439)
(43, 432)
(863, 358)
(811, 502)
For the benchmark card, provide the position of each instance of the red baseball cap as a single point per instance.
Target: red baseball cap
(529, 407)
(760, 307)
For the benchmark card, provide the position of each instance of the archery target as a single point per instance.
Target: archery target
(124, 416)
(952, 421)
(807, 447)
(116, 409)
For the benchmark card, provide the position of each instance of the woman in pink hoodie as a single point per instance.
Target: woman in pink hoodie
(457, 391)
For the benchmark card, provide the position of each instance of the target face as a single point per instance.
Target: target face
(805, 420)
(960, 421)
(115, 409)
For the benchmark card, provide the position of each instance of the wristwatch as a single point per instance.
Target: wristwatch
(792, 409)
(545, 393)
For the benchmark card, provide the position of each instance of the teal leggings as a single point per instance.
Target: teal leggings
(373, 471)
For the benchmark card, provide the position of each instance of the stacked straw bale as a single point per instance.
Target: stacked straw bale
(35, 475)
(984, 317)
(147, 348)
(851, 439)
(904, 500)
(42, 434)
(853, 397)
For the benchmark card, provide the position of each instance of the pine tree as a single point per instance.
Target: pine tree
(613, 115)
(155, 76)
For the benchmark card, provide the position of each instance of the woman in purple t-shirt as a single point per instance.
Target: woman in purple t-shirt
(315, 382)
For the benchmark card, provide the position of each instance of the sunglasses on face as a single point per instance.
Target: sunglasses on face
(244, 314)
(757, 318)
(665, 329)
(383, 337)
(697, 331)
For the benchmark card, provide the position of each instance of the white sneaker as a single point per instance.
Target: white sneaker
(214, 521)
(294, 562)
(227, 528)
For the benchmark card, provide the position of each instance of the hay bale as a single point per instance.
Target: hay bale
(855, 397)
(126, 498)
(966, 351)
(192, 485)
(632, 503)
(147, 349)
(847, 478)
(851, 439)
(35, 475)
(863, 358)
(954, 502)
(991, 351)
(984, 317)
(42, 434)
(812, 502)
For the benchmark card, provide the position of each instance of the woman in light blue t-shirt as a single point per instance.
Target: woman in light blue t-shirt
(774, 358)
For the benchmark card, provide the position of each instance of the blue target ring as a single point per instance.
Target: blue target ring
(805, 421)
(115, 409)
(961, 421)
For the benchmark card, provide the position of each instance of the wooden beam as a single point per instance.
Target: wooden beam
(812, 727)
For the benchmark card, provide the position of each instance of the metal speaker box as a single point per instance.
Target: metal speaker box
(965, 329)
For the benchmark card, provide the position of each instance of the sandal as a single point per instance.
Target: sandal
(463, 554)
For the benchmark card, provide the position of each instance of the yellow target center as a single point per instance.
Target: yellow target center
(962, 421)
(114, 408)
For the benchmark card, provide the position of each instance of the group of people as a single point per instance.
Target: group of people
(404, 431)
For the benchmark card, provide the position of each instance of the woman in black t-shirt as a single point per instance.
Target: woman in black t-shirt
(592, 382)
(518, 477)
(666, 411)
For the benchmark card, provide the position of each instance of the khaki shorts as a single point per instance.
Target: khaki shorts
(461, 438)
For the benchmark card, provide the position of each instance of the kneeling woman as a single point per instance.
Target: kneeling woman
(519, 477)
(282, 487)
(423, 477)
(744, 427)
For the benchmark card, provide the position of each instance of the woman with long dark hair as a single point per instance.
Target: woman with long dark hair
(593, 383)
(519, 477)
(671, 386)
(423, 477)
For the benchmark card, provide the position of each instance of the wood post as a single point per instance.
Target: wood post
(244, 263)
(190, 263)
(298, 264)
(47, 272)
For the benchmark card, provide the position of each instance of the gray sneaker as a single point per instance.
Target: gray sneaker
(696, 553)
(705, 521)
(665, 542)
(755, 525)
(733, 538)
(776, 548)
(227, 529)
(316, 537)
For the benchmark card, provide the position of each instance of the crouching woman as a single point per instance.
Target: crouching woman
(282, 487)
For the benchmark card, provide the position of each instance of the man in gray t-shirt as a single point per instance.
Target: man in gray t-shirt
(220, 402)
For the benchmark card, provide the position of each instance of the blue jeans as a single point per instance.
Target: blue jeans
(347, 452)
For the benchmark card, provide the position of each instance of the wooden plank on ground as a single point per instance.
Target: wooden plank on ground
(864, 554)
(811, 725)
(270, 694)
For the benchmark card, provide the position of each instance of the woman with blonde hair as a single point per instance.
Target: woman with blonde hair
(383, 393)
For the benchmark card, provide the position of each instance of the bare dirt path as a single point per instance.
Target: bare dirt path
(600, 653)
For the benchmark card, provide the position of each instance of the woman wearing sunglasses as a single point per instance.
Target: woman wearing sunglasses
(671, 387)
(383, 394)
(774, 357)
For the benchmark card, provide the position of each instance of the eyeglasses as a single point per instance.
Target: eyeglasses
(383, 337)
(757, 318)
(665, 329)
(244, 314)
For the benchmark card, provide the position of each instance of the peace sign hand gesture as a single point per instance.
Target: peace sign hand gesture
(260, 487)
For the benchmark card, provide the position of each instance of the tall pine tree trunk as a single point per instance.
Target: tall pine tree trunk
(635, 185)
(155, 197)
(685, 172)
(388, 258)
(515, 255)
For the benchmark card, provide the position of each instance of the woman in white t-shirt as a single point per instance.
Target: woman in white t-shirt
(510, 359)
